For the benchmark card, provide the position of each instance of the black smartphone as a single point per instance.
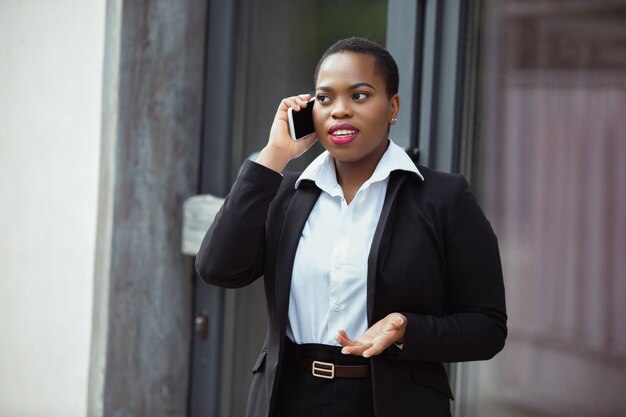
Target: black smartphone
(301, 122)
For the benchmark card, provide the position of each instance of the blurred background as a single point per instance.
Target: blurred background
(114, 114)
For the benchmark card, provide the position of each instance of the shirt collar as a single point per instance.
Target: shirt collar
(322, 169)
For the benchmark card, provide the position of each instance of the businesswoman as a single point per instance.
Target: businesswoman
(376, 271)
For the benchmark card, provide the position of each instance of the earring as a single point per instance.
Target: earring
(393, 121)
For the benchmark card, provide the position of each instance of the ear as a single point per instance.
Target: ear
(395, 106)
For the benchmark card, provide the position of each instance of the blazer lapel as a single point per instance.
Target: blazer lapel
(295, 218)
(395, 181)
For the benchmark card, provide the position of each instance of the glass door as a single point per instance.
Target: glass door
(549, 167)
(267, 51)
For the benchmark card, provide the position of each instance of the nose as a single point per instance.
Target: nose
(341, 109)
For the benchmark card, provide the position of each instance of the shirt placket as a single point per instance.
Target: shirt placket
(339, 253)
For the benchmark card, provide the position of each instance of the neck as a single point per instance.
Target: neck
(352, 174)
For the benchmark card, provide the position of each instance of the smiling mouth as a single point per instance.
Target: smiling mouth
(343, 136)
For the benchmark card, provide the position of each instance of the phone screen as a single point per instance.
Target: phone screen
(301, 122)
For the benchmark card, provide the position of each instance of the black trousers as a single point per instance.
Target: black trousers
(300, 394)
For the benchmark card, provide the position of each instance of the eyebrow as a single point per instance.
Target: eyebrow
(352, 87)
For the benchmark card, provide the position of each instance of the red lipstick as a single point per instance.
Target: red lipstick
(342, 133)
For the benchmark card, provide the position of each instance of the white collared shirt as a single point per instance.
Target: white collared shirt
(329, 279)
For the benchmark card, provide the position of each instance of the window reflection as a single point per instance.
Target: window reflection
(550, 169)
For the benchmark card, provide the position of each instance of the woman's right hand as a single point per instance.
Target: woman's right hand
(280, 148)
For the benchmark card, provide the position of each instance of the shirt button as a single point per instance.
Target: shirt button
(337, 308)
(338, 266)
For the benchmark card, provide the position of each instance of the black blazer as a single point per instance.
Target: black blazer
(434, 258)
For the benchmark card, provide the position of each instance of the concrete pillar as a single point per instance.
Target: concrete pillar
(152, 120)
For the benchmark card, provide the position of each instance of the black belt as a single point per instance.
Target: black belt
(330, 370)
(324, 361)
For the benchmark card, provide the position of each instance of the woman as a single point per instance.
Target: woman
(376, 271)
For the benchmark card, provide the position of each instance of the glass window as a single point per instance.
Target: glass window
(280, 44)
(550, 170)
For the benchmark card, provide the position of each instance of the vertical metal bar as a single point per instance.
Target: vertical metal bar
(404, 41)
(205, 387)
(442, 83)
(430, 82)
(450, 88)
(470, 82)
(217, 127)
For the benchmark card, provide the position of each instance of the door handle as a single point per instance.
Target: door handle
(202, 326)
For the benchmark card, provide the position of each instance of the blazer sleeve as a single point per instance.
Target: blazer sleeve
(474, 324)
(232, 252)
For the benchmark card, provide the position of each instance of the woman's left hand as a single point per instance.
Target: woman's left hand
(375, 339)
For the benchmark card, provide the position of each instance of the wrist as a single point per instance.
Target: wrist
(273, 158)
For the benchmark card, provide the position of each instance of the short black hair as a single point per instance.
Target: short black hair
(384, 64)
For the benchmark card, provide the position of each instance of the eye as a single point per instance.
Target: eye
(359, 96)
(321, 98)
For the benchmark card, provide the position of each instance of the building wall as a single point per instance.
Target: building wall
(51, 56)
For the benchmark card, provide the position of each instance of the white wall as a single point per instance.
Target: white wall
(51, 56)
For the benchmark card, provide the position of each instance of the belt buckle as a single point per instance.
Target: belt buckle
(324, 370)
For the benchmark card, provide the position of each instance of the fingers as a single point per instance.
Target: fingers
(360, 346)
(355, 350)
(368, 349)
(350, 347)
(343, 339)
(295, 102)
(375, 350)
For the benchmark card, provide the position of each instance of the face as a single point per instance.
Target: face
(352, 112)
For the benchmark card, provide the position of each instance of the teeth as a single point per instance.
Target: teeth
(341, 132)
